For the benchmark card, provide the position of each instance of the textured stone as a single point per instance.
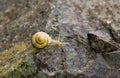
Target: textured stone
(101, 41)
(75, 22)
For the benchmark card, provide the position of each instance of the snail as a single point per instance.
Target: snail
(42, 39)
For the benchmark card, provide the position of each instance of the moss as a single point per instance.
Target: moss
(17, 62)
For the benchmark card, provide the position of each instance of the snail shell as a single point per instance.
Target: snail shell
(42, 39)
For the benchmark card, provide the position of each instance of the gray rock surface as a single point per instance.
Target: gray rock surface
(77, 22)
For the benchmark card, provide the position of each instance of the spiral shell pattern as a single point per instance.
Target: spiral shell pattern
(41, 39)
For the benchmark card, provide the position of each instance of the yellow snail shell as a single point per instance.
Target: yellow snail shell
(42, 39)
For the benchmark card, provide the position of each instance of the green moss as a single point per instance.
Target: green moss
(17, 62)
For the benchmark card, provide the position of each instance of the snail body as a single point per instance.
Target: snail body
(42, 39)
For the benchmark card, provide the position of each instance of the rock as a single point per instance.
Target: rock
(115, 32)
(75, 22)
(113, 59)
(101, 41)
